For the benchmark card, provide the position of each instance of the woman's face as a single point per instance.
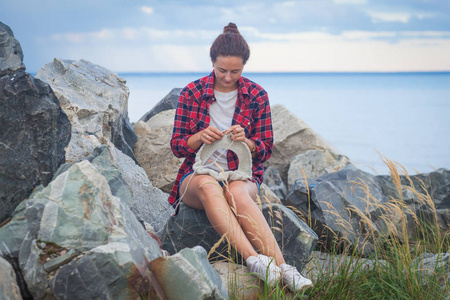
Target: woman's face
(228, 70)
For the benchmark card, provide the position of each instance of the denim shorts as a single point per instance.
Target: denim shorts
(220, 182)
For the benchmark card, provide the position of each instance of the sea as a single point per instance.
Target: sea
(369, 117)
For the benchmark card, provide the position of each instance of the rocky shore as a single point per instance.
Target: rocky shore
(83, 194)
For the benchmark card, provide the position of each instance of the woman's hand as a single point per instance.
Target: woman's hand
(238, 133)
(210, 135)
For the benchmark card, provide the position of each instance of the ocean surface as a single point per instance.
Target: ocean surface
(402, 116)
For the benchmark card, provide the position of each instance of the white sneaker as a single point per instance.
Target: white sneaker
(264, 268)
(293, 279)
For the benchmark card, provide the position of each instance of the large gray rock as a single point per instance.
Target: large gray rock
(239, 280)
(292, 136)
(339, 205)
(11, 55)
(436, 184)
(322, 263)
(273, 180)
(9, 290)
(314, 163)
(426, 195)
(79, 232)
(96, 102)
(153, 152)
(354, 206)
(33, 136)
(129, 182)
(170, 101)
(190, 227)
(188, 275)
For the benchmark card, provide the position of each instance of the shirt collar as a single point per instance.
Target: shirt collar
(209, 88)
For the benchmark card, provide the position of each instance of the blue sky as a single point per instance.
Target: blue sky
(175, 36)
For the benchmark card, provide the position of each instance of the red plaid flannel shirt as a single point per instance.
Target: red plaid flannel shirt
(252, 112)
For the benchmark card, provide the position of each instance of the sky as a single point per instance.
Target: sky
(284, 36)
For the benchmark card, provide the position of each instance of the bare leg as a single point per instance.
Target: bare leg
(252, 220)
(203, 192)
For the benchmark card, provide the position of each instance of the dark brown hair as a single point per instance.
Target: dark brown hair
(230, 43)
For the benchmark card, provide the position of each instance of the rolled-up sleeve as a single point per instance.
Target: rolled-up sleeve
(181, 127)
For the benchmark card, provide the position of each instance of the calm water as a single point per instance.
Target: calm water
(405, 117)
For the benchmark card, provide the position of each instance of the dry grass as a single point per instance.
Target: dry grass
(396, 238)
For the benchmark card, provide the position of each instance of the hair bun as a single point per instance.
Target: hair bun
(231, 28)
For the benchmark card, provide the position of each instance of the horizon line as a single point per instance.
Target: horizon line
(289, 72)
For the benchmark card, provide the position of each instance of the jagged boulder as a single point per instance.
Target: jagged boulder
(292, 136)
(314, 163)
(353, 205)
(187, 275)
(9, 290)
(190, 227)
(170, 101)
(33, 136)
(273, 180)
(129, 182)
(11, 55)
(153, 152)
(240, 280)
(426, 195)
(340, 205)
(96, 102)
(81, 241)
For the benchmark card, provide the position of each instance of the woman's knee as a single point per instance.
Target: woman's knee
(208, 189)
(240, 195)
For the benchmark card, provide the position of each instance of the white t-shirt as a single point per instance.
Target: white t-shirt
(221, 116)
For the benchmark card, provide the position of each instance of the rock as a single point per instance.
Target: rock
(293, 235)
(188, 275)
(9, 290)
(96, 102)
(314, 163)
(109, 271)
(170, 101)
(238, 280)
(436, 184)
(129, 182)
(273, 180)
(429, 202)
(339, 205)
(322, 263)
(77, 211)
(190, 227)
(153, 151)
(292, 136)
(34, 134)
(429, 264)
(11, 55)
(267, 196)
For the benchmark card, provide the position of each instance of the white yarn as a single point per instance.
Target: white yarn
(242, 151)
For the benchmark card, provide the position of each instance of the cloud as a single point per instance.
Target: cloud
(403, 17)
(155, 50)
(138, 35)
(351, 56)
(147, 9)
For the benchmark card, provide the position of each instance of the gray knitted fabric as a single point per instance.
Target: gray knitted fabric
(242, 151)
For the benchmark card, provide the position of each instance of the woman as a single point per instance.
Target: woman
(227, 103)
